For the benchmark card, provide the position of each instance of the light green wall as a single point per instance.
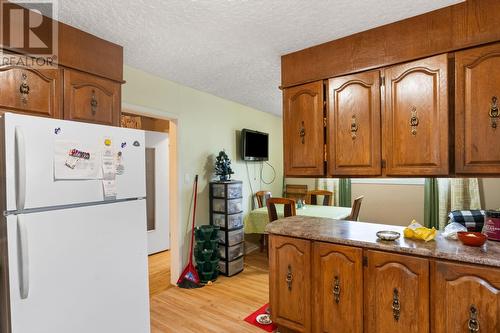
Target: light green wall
(207, 124)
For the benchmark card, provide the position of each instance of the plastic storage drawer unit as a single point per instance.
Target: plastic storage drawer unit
(233, 252)
(232, 267)
(234, 221)
(233, 237)
(226, 214)
(233, 205)
(233, 190)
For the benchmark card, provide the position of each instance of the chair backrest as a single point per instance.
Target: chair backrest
(312, 197)
(262, 197)
(289, 207)
(356, 207)
(296, 192)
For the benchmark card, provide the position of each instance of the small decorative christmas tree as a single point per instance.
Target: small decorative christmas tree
(223, 166)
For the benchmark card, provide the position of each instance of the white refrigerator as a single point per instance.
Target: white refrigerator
(73, 239)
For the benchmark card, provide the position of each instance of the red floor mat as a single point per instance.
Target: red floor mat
(251, 320)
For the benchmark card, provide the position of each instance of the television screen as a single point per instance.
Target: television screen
(255, 145)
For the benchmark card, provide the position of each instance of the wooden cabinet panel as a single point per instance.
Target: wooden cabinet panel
(354, 125)
(417, 93)
(460, 26)
(290, 282)
(458, 290)
(29, 90)
(90, 98)
(303, 130)
(477, 102)
(395, 282)
(338, 288)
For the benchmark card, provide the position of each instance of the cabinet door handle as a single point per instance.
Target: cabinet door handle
(336, 289)
(473, 321)
(302, 133)
(93, 103)
(494, 113)
(24, 88)
(354, 127)
(396, 305)
(289, 278)
(414, 121)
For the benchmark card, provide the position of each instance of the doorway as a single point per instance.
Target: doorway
(157, 176)
(157, 206)
(162, 189)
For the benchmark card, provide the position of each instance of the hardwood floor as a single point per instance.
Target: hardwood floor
(218, 308)
(159, 272)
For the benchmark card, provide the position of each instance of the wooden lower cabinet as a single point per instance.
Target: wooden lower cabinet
(91, 99)
(290, 282)
(338, 288)
(322, 287)
(396, 293)
(465, 297)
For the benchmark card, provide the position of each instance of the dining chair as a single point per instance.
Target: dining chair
(356, 207)
(312, 197)
(297, 192)
(262, 197)
(288, 210)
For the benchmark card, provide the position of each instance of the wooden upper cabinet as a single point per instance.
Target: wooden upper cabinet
(465, 297)
(91, 99)
(290, 282)
(29, 90)
(338, 288)
(397, 293)
(303, 130)
(354, 125)
(416, 118)
(477, 115)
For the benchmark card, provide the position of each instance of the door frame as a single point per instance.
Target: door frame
(174, 183)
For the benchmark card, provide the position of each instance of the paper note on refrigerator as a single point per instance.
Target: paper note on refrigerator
(109, 188)
(74, 160)
(108, 164)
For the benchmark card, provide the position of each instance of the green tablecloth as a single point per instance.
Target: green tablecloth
(256, 221)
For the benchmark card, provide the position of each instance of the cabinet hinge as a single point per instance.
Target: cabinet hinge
(324, 153)
(324, 121)
(365, 261)
(382, 81)
(384, 164)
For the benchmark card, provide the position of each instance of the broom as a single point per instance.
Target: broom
(189, 278)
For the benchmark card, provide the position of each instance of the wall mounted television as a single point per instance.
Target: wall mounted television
(254, 145)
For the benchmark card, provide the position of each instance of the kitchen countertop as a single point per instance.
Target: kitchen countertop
(363, 234)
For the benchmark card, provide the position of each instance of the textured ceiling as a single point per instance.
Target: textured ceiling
(230, 48)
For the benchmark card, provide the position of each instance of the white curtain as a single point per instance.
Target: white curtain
(329, 184)
(457, 194)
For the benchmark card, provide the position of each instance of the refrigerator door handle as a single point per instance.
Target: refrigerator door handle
(20, 168)
(24, 272)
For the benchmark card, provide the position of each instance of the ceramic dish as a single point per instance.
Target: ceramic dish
(264, 319)
(388, 235)
(472, 238)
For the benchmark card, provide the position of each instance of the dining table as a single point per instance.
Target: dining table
(256, 221)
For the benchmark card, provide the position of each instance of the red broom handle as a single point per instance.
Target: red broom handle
(194, 218)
